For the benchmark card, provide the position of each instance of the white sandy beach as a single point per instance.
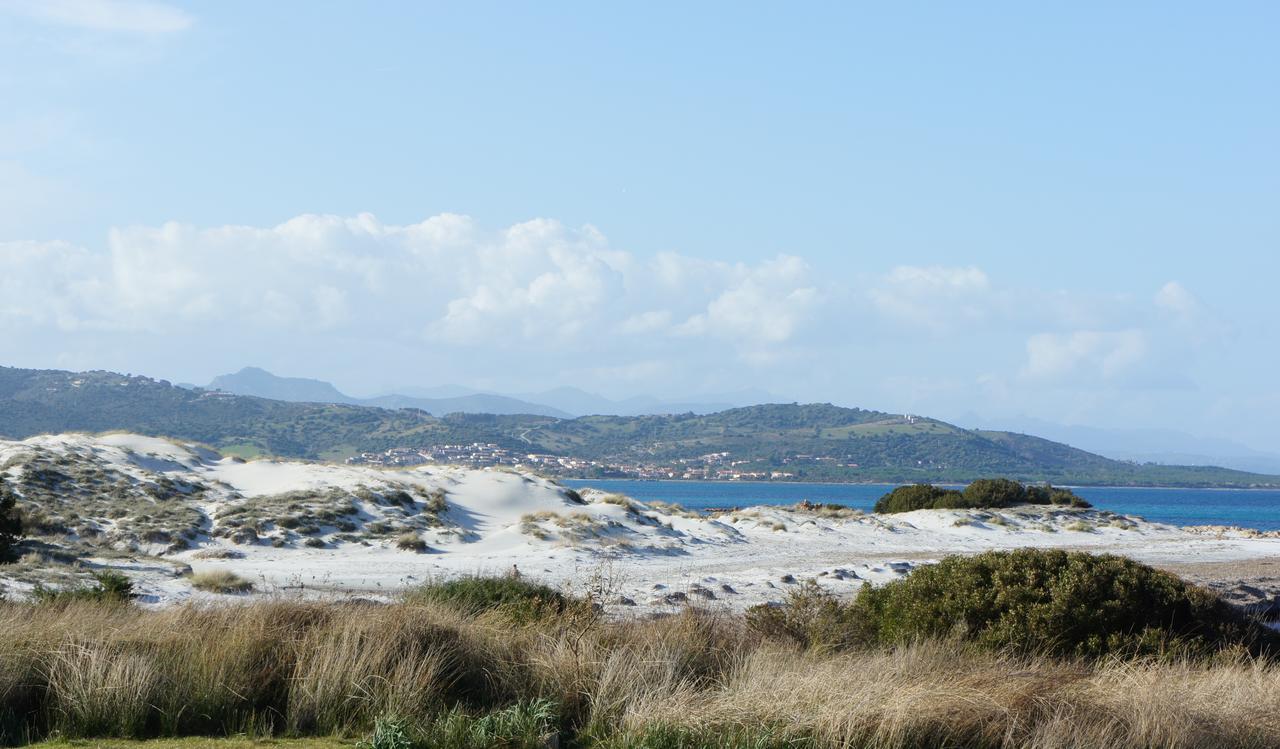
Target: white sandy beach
(632, 555)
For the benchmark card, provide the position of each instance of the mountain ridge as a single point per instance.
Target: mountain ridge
(801, 441)
(258, 382)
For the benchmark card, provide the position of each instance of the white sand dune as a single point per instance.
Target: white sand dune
(486, 521)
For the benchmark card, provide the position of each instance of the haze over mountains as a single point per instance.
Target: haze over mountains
(562, 402)
(1164, 446)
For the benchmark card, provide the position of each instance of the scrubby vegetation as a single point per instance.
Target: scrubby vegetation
(486, 662)
(981, 494)
(108, 586)
(220, 581)
(511, 596)
(1028, 601)
(76, 496)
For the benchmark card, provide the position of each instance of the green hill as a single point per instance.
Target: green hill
(811, 441)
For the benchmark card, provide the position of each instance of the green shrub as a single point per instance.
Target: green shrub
(108, 586)
(521, 599)
(982, 493)
(1053, 495)
(812, 618)
(919, 497)
(1034, 600)
(10, 523)
(995, 493)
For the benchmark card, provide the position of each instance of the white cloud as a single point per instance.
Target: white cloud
(1085, 354)
(536, 284)
(47, 284)
(134, 16)
(523, 305)
(763, 304)
(1173, 297)
(936, 297)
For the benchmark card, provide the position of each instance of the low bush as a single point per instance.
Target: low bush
(980, 494)
(516, 597)
(1040, 601)
(920, 497)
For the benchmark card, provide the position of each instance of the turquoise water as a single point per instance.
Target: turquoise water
(1244, 507)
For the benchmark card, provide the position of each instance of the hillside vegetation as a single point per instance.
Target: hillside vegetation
(811, 442)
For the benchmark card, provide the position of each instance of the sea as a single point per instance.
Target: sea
(1247, 508)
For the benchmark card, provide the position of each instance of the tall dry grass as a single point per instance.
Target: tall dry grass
(85, 669)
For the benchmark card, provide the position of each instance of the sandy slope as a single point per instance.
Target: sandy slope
(490, 520)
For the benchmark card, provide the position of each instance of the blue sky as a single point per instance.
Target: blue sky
(1060, 211)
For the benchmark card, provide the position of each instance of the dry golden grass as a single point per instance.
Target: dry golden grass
(220, 581)
(85, 669)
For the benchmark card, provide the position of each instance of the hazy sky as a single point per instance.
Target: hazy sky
(1068, 211)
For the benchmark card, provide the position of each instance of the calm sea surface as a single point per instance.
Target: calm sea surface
(1243, 507)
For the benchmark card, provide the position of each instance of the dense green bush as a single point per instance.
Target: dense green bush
(995, 493)
(982, 493)
(1053, 495)
(10, 523)
(1029, 600)
(919, 497)
(519, 598)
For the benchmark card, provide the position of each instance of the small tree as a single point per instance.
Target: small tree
(10, 522)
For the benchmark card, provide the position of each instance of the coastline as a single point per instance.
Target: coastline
(947, 483)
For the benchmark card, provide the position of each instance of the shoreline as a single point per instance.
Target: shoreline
(765, 482)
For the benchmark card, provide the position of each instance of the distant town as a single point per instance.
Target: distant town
(717, 466)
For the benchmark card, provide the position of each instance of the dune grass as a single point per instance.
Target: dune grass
(220, 581)
(451, 667)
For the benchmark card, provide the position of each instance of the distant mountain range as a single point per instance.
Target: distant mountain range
(563, 402)
(804, 442)
(1164, 446)
(262, 384)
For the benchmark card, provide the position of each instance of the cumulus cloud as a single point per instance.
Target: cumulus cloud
(538, 283)
(134, 16)
(531, 302)
(763, 304)
(1087, 354)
